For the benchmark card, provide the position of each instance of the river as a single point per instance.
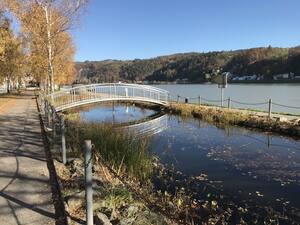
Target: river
(284, 94)
(252, 170)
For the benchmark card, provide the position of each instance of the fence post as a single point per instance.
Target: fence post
(199, 99)
(270, 108)
(178, 98)
(46, 110)
(53, 121)
(48, 114)
(63, 140)
(229, 103)
(88, 181)
(222, 97)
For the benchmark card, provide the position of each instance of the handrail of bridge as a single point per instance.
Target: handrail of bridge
(85, 94)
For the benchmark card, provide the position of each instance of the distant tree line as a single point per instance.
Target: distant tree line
(196, 67)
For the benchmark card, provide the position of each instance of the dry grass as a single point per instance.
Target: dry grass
(236, 117)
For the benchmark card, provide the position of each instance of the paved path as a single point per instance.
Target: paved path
(25, 191)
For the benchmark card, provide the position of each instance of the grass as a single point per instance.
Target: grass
(224, 116)
(121, 150)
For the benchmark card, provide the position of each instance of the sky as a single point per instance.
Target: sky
(130, 29)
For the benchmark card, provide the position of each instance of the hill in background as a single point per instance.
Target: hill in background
(264, 63)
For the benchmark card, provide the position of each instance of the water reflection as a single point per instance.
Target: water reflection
(148, 126)
(141, 121)
(244, 166)
(115, 113)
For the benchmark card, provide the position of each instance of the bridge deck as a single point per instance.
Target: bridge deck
(87, 94)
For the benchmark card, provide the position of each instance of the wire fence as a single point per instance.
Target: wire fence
(266, 106)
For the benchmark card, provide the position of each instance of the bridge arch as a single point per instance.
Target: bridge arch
(104, 92)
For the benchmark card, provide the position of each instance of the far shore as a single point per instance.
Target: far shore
(233, 82)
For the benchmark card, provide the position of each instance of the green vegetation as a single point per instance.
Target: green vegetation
(195, 67)
(121, 150)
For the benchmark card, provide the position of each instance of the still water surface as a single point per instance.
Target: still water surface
(244, 166)
(286, 94)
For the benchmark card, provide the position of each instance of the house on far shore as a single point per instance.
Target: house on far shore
(284, 76)
(182, 81)
(242, 78)
(297, 77)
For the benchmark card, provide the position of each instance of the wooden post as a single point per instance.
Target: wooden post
(270, 108)
(88, 181)
(229, 103)
(63, 140)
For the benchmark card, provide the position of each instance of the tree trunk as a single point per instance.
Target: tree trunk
(8, 85)
(49, 48)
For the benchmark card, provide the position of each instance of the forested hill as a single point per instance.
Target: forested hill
(194, 67)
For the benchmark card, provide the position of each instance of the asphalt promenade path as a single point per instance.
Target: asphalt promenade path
(25, 190)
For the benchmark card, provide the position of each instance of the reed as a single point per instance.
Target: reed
(120, 149)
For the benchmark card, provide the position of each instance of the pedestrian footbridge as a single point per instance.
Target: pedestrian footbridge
(104, 92)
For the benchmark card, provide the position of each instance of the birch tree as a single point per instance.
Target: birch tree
(56, 18)
(11, 55)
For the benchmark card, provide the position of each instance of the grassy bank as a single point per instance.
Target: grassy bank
(242, 118)
(127, 173)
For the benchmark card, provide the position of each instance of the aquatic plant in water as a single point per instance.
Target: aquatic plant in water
(122, 150)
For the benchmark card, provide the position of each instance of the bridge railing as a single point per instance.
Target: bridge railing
(105, 92)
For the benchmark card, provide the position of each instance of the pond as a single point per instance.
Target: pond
(235, 166)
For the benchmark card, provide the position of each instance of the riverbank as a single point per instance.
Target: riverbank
(196, 167)
(281, 124)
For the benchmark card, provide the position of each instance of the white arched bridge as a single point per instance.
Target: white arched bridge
(87, 94)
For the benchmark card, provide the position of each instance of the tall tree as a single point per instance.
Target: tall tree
(45, 22)
(11, 55)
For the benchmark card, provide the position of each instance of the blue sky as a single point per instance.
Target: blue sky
(129, 29)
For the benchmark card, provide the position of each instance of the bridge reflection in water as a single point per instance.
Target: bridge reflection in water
(148, 126)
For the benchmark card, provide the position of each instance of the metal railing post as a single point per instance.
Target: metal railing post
(229, 103)
(53, 121)
(88, 181)
(63, 139)
(270, 108)
(46, 110)
(222, 97)
(48, 114)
